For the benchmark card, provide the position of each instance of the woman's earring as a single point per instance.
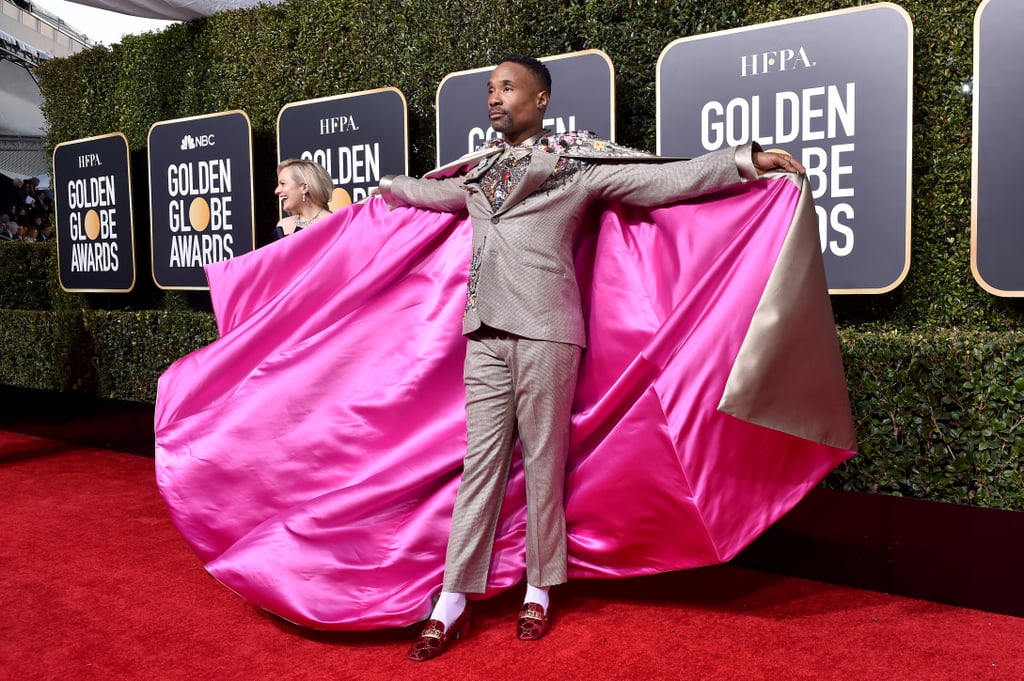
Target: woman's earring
(303, 197)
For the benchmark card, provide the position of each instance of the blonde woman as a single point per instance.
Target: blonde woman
(304, 189)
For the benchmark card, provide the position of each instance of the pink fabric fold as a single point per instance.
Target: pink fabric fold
(311, 455)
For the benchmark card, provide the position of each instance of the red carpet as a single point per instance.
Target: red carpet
(96, 584)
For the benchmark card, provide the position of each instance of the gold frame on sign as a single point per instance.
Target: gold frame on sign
(131, 212)
(149, 168)
(909, 104)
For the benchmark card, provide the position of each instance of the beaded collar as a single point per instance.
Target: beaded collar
(581, 143)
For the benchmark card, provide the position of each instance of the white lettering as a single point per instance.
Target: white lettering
(334, 124)
(196, 250)
(358, 164)
(773, 60)
(826, 172)
(201, 177)
(94, 256)
(787, 107)
(811, 114)
(94, 192)
(712, 128)
(832, 221)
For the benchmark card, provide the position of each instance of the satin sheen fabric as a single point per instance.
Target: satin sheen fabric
(310, 456)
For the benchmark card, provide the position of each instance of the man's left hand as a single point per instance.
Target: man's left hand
(774, 160)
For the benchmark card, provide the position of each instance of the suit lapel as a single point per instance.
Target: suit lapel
(469, 165)
(477, 173)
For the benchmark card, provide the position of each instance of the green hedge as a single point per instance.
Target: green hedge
(939, 415)
(100, 353)
(934, 366)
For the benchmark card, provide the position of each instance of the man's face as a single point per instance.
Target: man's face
(515, 102)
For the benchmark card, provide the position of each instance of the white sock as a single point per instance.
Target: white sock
(448, 608)
(538, 595)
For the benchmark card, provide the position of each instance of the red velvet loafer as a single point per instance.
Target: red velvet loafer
(434, 640)
(533, 622)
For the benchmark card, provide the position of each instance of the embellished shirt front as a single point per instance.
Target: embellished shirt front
(503, 177)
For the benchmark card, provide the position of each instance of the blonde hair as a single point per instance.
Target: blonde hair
(317, 181)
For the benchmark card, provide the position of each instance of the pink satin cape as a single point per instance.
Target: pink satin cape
(310, 456)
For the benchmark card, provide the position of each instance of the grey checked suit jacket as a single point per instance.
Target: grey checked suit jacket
(524, 251)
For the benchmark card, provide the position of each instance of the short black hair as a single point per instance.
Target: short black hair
(534, 65)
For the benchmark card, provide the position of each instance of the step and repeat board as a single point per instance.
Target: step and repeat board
(805, 85)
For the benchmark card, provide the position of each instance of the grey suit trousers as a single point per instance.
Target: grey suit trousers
(514, 386)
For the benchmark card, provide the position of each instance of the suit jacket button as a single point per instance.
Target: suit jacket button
(495, 220)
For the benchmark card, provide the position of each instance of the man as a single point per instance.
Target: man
(524, 322)
(9, 230)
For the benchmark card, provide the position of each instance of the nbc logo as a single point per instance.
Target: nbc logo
(190, 142)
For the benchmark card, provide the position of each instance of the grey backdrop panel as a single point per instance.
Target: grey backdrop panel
(833, 89)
